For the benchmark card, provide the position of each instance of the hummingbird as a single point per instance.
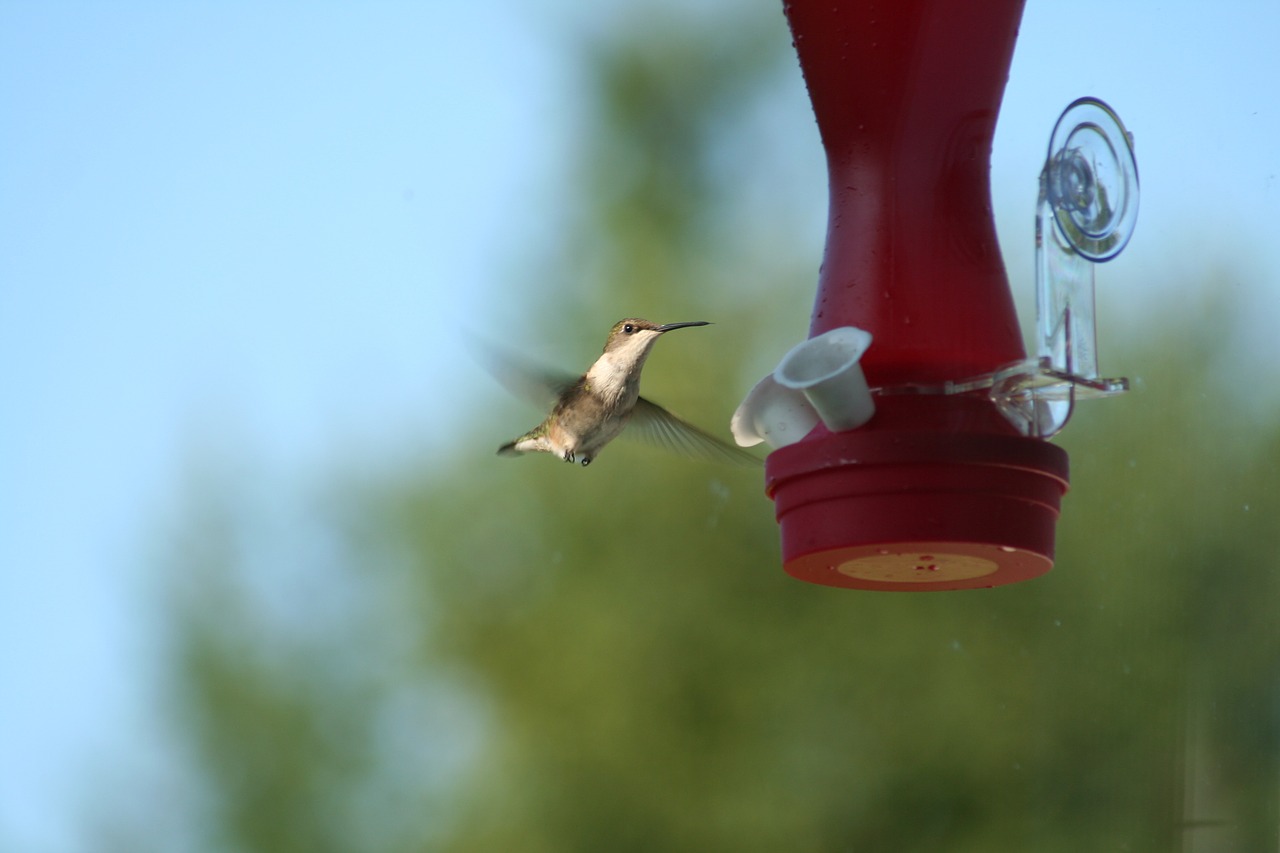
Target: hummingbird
(591, 410)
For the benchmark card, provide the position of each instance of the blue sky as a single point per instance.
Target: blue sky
(267, 224)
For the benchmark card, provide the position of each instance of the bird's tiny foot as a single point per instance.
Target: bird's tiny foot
(586, 460)
(569, 457)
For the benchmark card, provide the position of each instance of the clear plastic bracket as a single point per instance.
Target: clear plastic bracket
(1085, 215)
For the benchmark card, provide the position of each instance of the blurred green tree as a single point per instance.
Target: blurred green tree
(529, 656)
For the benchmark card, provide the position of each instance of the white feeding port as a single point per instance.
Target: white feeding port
(773, 414)
(819, 379)
(825, 369)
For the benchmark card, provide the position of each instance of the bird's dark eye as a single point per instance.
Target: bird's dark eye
(628, 328)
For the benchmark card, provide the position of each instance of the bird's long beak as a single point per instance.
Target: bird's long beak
(666, 327)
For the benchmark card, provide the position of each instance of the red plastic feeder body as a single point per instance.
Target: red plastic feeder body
(936, 491)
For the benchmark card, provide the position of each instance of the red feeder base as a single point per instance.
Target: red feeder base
(915, 511)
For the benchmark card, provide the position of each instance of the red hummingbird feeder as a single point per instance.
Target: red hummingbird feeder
(910, 430)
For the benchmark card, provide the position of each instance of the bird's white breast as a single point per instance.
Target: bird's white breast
(612, 381)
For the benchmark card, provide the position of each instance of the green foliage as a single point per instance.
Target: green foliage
(637, 673)
(661, 685)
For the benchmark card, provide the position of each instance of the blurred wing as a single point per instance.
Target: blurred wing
(525, 379)
(655, 425)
